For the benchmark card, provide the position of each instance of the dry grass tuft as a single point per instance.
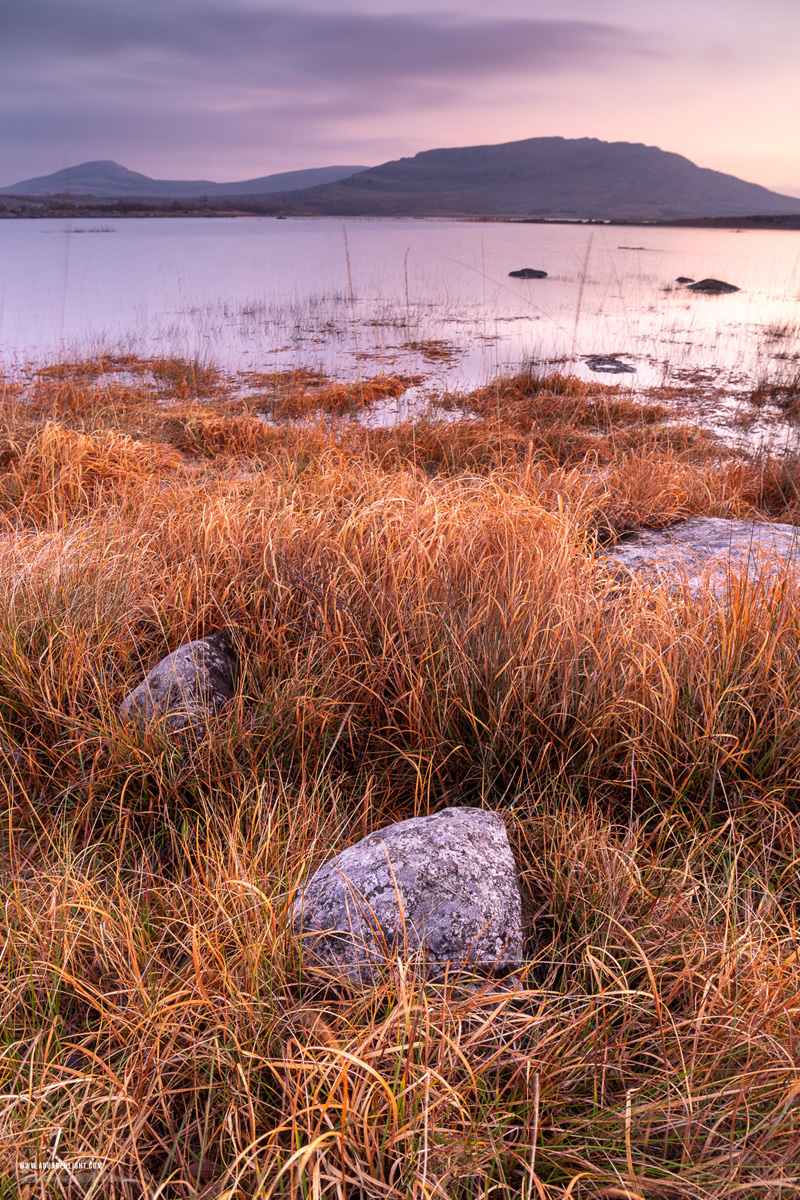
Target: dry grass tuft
(63, 471)
(433, 350)
(199, 431)
(298, 394)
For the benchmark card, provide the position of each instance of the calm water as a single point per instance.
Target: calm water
(259, 293)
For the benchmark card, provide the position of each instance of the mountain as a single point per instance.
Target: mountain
(579, 178)
(104, 178)
(555, 177)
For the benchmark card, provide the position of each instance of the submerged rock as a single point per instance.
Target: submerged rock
(712, 287)
(609, 365)
(701, 552)
(441, 891)
(527, 273)
(187, 686)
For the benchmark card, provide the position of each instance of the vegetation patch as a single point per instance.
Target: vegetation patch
(422, 619)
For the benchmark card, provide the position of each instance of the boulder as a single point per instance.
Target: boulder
(186, 687)
(609, 365)
(440, 892)
(527, 273)
(684, 279)
(711, 287)
(701, 552)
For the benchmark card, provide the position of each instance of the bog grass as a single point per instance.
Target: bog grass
(423, 618)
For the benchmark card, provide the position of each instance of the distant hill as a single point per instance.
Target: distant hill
(542, 177)
(107, 179)
(576, 179)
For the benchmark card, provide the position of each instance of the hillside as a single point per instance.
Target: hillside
(577, 179)
(108, 179)
(553, 177)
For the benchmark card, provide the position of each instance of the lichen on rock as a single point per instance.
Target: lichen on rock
(439, 892)
(186, 687)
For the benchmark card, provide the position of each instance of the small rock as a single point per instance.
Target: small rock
(684, 279)
(609, 365)
(712, 287)
(187, 686)
(527, 273)
(439, 890)
(701, 551)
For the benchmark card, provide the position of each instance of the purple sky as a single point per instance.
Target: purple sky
(230, 89)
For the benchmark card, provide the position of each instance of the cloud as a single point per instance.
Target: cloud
(153, 69)
(84, 42)
(232, 39)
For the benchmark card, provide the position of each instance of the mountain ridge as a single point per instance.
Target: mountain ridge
(581, 178)
(107, 179)
(540, 178)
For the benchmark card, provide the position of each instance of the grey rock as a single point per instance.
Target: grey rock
(527, 273)
(711, 287)
(701, 552)
(438, 891)
(610, 365)
(187, 686)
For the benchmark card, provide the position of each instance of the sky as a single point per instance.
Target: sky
(233, 89)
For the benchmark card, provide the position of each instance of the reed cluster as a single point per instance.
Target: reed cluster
(423, 617)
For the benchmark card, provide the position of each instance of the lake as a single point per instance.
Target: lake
(362, 295)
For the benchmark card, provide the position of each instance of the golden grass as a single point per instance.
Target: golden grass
(62, 471)
(316, 394)
(184, 379)
(422, 620)
(433, 350)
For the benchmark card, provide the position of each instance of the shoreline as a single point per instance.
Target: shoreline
(127, 208)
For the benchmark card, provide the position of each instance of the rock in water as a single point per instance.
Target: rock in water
(435, 890)
(187, 686)
(609, 365)
(702, 551)
(527, 273)
(711, 287)
(684, 279)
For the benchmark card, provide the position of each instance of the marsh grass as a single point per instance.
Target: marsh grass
(433, 350)
(779, 384)
(423, 618)
(335, 398)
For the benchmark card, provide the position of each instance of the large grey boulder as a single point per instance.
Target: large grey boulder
(186, 687)
(439, 891)
(702, 552)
